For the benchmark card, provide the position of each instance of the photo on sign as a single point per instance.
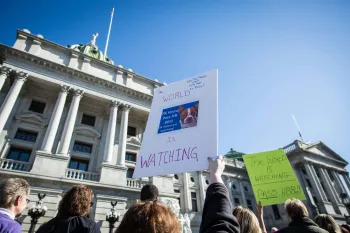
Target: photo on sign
(179, 117)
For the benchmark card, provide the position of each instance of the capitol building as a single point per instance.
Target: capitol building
(70, 116)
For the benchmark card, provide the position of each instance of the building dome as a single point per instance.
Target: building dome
(91, 50)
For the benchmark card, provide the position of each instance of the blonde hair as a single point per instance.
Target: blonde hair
(11, 189)
(149, 217)
(328, 223)
(247, 220)
(295, 209)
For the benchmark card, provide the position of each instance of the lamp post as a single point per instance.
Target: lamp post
(36, 211)
(112, 217)
(346, 201)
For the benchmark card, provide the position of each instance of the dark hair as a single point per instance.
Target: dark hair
(76, 202)
(345, 228)
(149, 217)
(149, 192)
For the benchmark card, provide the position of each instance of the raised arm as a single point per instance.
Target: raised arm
(260, 216)
(217, 213)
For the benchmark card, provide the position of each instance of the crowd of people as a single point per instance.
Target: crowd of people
(151, 216)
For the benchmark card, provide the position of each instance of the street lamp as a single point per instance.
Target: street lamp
(112, 216)
(36, 211)
(346, 201)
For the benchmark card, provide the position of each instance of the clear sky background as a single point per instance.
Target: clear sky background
(275, 58)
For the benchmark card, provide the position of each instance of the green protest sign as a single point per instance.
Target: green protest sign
(272, 177)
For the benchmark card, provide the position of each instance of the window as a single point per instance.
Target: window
(233, 187)
(131, 131)
(276, 212)
(249, 204)
(207, 181)
(130, 157)
(78, 164)
(82, 147)
(245, 188)
(304, 171)
(194, 202)
(178, 191)
(88, 120)
(315, 200)
(176, 177)
(26, 135)
(192, 179)
(129, 173)
(308, 183)
(37, 106)
(19, 154)
(236, 201)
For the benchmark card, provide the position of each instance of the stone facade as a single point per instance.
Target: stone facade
(67, 118)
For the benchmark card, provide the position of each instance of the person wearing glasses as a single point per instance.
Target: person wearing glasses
(73, 213)
(14, 194)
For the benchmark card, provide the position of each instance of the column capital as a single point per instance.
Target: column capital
(65, 88)
(114, 104)
(125, 107)
(21, 76)
(5, 70)
(77, 92)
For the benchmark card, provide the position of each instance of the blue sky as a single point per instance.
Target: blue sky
(275, 58)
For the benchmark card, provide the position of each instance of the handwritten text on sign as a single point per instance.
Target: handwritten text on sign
(272, 177)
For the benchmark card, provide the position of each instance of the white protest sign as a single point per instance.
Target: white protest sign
(182, 128)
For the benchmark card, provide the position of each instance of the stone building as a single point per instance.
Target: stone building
(70, 116)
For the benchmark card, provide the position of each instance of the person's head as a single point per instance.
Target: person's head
(76, 202)
(14, 195)
(345, 228)
(149, 217)
(247, 220)
(274, 229)
(149, 192)
(295, 209)
(328, 223)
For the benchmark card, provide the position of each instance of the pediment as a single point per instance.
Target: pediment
(31, 117)
(323, 150)
(87, 131)
(134, 140)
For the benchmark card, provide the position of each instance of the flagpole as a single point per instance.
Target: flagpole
(109, 31)
(296, 124)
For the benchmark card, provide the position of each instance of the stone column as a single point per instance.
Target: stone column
(187, 192)
(201, 189)
(242, 193)
(70, 122)
(11, 98)
(346, 179)
(338, 181)
(328, 185)
(108, 153)
(4, 71)
(55, 120)
(315, 183)
(123, 134)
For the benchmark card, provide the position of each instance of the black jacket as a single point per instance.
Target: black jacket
(302, 225)
(78, 224)
(217, 213)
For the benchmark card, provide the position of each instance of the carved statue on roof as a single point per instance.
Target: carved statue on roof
(93, 41)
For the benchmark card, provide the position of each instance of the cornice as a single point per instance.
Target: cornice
(72, 73)
(105, 64)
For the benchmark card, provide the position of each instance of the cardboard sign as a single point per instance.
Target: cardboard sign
(272, 177)
(182, 128)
